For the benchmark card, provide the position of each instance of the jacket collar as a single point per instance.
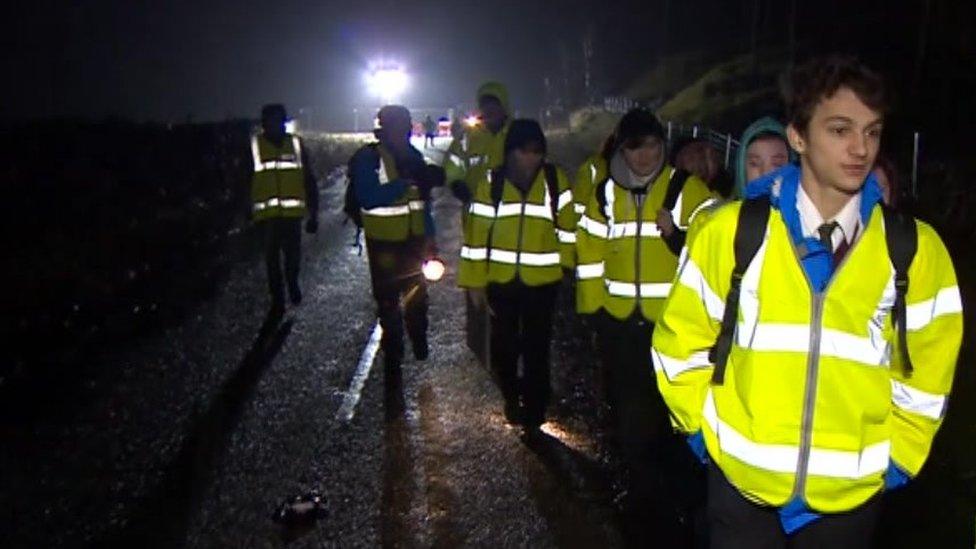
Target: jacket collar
(782, 186)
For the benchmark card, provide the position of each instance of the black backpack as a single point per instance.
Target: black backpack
(350, 204)
(901, 237)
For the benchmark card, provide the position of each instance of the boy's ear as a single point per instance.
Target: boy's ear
(796, 139)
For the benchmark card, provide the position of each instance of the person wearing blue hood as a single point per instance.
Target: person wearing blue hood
(821, 379)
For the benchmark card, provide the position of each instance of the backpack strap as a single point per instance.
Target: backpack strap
(552, 185)
(901, 236)
(676, 184)
(497, 182)
(600, 190)
(749, 234)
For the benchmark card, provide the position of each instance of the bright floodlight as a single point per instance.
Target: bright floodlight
(387, 83)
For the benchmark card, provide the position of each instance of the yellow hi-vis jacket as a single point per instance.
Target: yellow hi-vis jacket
(591, 172)
(815, 402)
(278, 184)
(520, 237)
(622, 259)
(471, 156)
(401, 220)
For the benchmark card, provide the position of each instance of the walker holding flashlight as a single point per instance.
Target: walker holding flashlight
(392, 184)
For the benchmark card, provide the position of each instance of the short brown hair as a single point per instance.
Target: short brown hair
(821, 77)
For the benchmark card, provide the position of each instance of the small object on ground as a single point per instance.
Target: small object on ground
(301, 509)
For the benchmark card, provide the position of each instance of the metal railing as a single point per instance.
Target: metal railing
(722, 142)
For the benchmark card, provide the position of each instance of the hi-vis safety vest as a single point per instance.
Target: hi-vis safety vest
(591, 172)
(470, 157)
(622, 259)
(814, 403)
(401, 220)
(278, 184)
(519, 237)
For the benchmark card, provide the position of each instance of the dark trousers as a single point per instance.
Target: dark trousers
(400, 291)
(735, 522)
(521, 326)
(282, 236)
(637, 411)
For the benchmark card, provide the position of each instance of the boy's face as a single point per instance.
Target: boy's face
(644, 157)
(841, 142)
(527, 160)
(492, 111)
(765, 155)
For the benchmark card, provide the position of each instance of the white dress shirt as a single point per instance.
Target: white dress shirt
(848, 219)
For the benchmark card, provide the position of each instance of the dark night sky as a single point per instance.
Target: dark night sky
(168, 61)
(165, 61)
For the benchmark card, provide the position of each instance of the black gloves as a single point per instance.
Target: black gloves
(428, 177)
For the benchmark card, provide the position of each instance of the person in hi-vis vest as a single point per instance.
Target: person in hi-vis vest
(283, 192)
(392, 184)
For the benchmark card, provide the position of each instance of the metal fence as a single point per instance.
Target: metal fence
(723, 142)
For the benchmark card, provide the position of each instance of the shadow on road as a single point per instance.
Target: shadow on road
(162, 518)
(570, 491)
(398, 464)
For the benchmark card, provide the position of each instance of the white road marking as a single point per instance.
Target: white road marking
(348, 408)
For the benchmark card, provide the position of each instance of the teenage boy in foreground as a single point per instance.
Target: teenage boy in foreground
(827, 381)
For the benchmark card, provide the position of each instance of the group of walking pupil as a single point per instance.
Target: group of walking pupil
(795, 329)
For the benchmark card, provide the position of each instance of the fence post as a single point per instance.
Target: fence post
(728, 149)
(915, 166)
(669, 131)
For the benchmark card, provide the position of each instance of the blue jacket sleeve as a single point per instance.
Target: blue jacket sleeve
(697, 444)
(895, 477)
(366, 182)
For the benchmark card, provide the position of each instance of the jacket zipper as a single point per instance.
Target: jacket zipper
(639, 206)
(278, 176)
(518, 243)
(813, 369)
(810, 393)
